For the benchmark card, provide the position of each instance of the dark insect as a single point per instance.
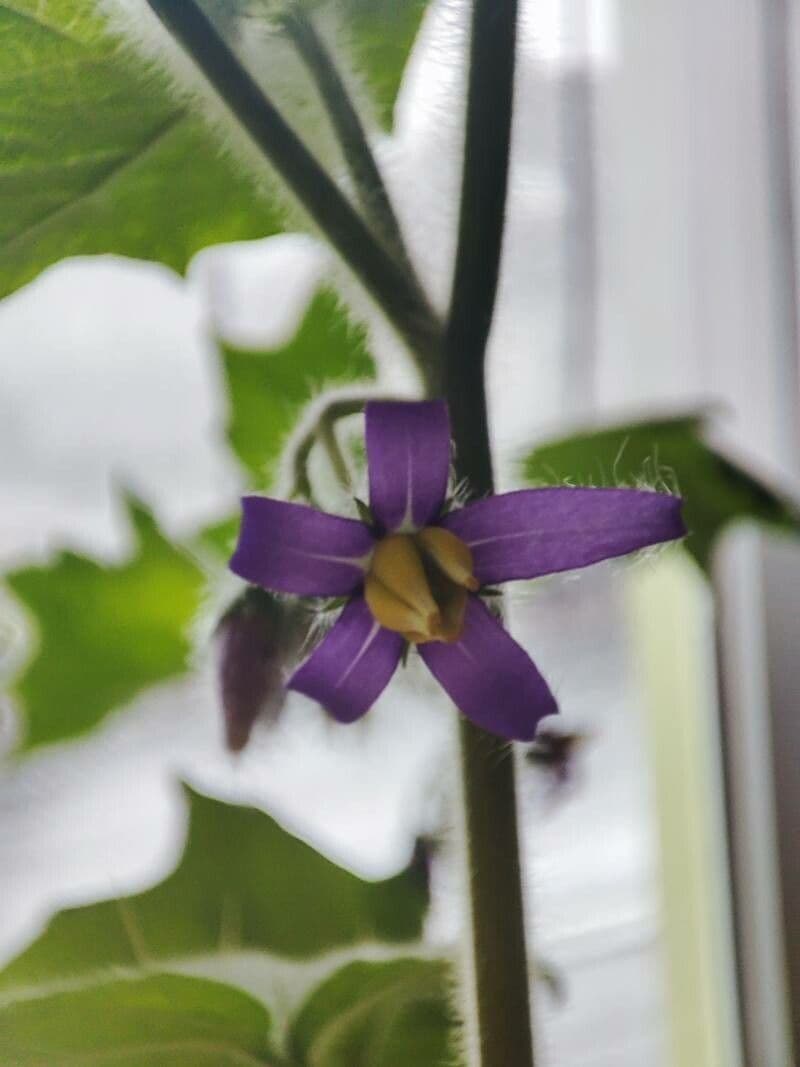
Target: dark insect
(555, 751)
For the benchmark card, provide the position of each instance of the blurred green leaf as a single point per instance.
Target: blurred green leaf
(104, 633)
(219, 540)
(372, 38)
(158, 1021)
(269, 389)
(243, 883)
(391, 1014)
(665, 454)
(381, 35)
(99, 157)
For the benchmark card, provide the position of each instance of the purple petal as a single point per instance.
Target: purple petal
(291, 548)
(353, 664)
(541, 531)
(408, 455)
(490, 678)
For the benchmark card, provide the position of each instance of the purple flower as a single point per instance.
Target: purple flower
(416, 575)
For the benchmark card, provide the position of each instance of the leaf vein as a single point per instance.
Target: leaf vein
(128, 160)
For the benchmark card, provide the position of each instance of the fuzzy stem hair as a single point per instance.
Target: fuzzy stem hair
(385, 278)
(499, 959)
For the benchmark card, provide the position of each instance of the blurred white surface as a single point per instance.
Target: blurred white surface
(107, 380)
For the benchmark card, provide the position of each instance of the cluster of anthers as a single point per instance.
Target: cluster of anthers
(417, 584)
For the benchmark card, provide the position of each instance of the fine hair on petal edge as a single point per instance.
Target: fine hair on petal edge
(654, 476)
(321, 622)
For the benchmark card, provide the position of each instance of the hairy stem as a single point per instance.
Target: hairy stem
(495, 877)
(387, 281)
(480, 234)
(323, 430)
(367, 179)
(330, 442)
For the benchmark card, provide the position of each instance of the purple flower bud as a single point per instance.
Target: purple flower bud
(259, 636)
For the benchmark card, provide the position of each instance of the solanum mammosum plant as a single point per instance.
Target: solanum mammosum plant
(153, 129)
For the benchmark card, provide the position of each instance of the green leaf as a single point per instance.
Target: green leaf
(243, 883)
(665, 454)
(104, 633)
(218, 540)
(382, 33)
(99, 157)
(372, 38)
(159, 1021)
(269, 389)
(378, 1015)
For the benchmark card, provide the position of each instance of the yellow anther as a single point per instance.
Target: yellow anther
(453, 609)
(417, 585)
(450, 554)
(397, 564)
(395, 614)
(397, 581)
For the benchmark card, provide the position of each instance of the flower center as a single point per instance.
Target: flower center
(417, 584)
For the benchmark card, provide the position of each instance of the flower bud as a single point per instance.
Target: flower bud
(259, 636)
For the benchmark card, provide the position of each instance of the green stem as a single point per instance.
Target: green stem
(330, 442)
(495, 877)
(367, 179)
(400, 297)
(480, 234)
(334, 410)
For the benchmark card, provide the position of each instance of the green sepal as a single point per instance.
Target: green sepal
(364, 511)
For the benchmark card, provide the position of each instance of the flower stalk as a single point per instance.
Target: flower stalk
(383, 276)
(330, 442)
(499, 955)
(368, 183)
(322, 429)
